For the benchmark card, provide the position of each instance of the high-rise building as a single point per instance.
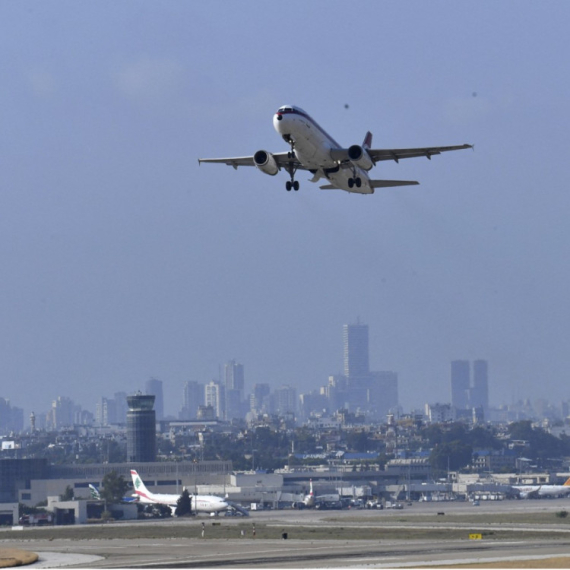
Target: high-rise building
(383, 392)
(234, 383)
(141, 428)
(234, 377)
(62, 413)
(154, 387)
(355, 338)
(192, 399)
(121, 407)
(285, 400)
(460, 384)
(11, 418)
(105, 412)
(480, 390)
(259, 399)
(214, 395)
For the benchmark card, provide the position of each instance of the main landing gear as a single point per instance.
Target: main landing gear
(352, 182)
(292, 185)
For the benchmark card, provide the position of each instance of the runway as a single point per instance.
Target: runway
(178, 542)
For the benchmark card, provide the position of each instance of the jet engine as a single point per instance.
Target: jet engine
(360, 157)
(265, 161)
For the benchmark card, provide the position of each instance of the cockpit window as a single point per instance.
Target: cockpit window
(284, 109)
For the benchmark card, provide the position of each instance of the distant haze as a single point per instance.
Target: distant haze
(122, 259)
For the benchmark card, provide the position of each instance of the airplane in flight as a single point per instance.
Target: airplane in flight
(313, 149)
(530, 491)
(200, 503)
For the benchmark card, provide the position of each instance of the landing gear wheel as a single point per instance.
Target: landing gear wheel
(291, 154)
(350, 182)
(288, 186)
(358, 182)
(295, 185)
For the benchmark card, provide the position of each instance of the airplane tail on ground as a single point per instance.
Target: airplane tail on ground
(95, 492)
(567, 484)
(140, 490)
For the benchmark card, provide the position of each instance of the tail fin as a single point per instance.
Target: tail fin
(311, 487)
(140, 489)
(94, 492)
(567, 484)
(367, 140)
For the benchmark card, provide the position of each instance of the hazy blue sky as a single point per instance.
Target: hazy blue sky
(122, 259)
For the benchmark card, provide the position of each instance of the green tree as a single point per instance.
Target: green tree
(357, 441)
(184, 504)
(114, 488)
(453, 456)
(68, 494)
(542, 445)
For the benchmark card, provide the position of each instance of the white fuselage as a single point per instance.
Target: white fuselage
(200, 503)
(313, 149)
(542, 490)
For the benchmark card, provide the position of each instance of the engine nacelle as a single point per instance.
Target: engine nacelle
(265, 161)
(360, 157)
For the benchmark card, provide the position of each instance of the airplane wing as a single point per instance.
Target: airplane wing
(282, 159)
(378, 154)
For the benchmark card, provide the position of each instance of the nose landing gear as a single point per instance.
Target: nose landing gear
(291, 169)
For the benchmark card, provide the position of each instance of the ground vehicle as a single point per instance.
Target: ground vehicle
(38, 519)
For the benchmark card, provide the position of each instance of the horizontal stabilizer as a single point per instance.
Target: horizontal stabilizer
(388, 183)
(378, 184)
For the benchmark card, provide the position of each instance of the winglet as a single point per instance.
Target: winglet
(367, 140)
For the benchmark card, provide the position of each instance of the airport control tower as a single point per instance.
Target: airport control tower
(141, 428)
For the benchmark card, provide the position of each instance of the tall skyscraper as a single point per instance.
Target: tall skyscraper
(214, 395)
(141, 428)
(105, 412)
(154, 387)
(234, 375)
(460, 384)
(234, 382)
(285, 400)
(259, 400)
(480, 390)
(192, 399)
(383, 392)
(355, 338)
(121, 407)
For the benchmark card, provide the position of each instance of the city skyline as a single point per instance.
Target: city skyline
(229, 396)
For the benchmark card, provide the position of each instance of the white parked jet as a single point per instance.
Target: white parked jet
(200, 503)
(529, 491)
(314, 150)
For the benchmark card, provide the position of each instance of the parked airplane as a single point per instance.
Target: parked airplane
(529, 491)
(314, 150)
(200, 503)
(311, 500)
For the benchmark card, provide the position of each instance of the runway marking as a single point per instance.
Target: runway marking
(458, 561)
